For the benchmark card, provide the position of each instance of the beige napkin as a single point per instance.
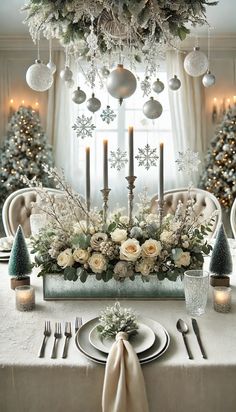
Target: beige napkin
(124, 387)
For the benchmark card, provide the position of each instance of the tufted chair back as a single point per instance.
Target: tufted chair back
(233, 218)
(18, 208)
(205, 204)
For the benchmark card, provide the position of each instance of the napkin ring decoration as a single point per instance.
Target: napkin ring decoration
(122, 336)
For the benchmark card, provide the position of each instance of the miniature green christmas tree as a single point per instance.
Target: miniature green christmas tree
(221, 260)
(19, 263)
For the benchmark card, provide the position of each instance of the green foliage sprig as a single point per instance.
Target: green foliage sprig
(116, 319)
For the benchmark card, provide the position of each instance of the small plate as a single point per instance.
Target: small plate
(6, 244)
(142, 341)
(4, 255)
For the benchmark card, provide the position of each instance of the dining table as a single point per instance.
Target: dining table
(174, 383)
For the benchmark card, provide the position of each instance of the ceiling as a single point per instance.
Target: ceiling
(220, 17)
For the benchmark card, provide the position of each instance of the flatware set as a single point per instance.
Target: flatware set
(183, 328)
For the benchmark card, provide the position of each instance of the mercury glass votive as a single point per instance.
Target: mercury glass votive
(25, 298)
(222, 299)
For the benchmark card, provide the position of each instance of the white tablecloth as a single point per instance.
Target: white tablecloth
(174, 383)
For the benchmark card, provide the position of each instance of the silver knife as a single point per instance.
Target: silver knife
(197, 333)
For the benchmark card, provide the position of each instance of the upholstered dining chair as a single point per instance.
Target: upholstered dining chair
(205, 204)
(17, 209)
(233, 218)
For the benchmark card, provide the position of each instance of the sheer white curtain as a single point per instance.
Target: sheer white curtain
(187, 114)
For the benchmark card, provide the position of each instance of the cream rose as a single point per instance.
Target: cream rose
(119, 235)
(130, 250)
(80, 255)
(65, 258)
(124, 220)
(151, 248)
(122, 269)
(144, 266)
(166, 237)
(183, 259)
(97, 263)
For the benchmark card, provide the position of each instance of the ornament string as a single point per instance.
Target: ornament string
(38, 53)
(50, 50)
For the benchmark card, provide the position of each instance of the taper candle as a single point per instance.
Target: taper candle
(131, 151)
(105, 164)
(88, 177)
(161, 174)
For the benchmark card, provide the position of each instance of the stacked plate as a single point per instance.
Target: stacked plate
(151, 341)
(5, 248)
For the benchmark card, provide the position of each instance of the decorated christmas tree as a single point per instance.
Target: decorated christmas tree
(219, 176)
(23, 152)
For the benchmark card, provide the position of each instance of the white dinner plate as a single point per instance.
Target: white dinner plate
(4, 255)
(141, 341)
(160, 345)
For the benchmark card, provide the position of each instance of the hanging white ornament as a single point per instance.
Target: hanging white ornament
(196, 63)
(147, 156)
(145, 86)
(208, 79)
(118, 159)
(152, 109)
(93, 104)
(174, 83)
(70, 83)
(108, 115)
(84, 126)
(78, 96)
(105, 72)
(52, 67)
(158, 86)
(39, 77)
(188, 161)
(66, 74)
(121, 83)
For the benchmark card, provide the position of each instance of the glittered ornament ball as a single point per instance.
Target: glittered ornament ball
(66, 74)
(174, 83)
(93, 104)
(196, 63)
(121, 83)
(208, 79)
(158, 86)
(39, 77)
(52, 67)
(152, 109)
(78, 96)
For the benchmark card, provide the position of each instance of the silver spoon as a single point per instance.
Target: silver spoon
(183, 328)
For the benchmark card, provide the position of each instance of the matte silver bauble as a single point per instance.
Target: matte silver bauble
(174, 83)
(39, 77)
(52, 67)
(105, 72)
(121, 83)
(78, 96)
(196, 63)
(208, 79)
(93, 104)
(158, 86)
(66, 74)
(152, 109)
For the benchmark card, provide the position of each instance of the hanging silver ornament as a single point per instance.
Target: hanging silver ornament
(158, 86)
(52, 67)
(78, 96)
(70, 83)
(196, 63)
(93, 104)
(121, 83)
(66, 74)
(208, 79)
(39, 77)
(152, 109)
(105, 72)
(174, 83)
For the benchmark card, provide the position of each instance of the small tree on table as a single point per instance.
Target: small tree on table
(221, 260)
(19, 264)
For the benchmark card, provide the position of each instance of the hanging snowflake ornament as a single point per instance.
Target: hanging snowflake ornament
(118, 159)
(108, 115)
(145, 86)
(188, 161)
(84, 126)
(147, 157)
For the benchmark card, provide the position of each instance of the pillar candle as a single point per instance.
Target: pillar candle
(161, 174)
(88, 177)
(131, 151)
(105, 164)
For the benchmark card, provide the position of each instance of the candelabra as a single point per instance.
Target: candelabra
(130, 180)
(105, 193)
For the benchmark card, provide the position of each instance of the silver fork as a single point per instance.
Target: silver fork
(47, 333)
(57, 335)
(78, 323)
(68, 335)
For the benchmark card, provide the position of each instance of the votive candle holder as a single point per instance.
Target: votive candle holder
(25, 298)
(222, 299)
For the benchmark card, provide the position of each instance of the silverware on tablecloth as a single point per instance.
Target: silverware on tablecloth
(183, 329)
(197, 333)
(57, 335)
(68, 335)
(78, 323)
(47, 333)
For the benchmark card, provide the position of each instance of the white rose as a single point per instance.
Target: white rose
(144, 266)
(166, 236)
(97, 263)
(151, 218)
(124, 220)
(65, 258)
(130, 250)
(119, 235)
(80, 255)
(182, 260)
(122, 269)
(151, 248)
(80, 227)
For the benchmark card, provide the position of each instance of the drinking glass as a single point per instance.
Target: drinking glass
(37, 222)
(196, 283)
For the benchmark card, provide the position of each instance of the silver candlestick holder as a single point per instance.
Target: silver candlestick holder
(131, 180)
(160, 210)
(105, 193)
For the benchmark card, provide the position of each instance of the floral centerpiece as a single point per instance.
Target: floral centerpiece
(77, 244)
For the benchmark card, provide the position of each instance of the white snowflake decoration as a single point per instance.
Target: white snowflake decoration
(108, 115)
(118, 159)
(84, 126)
(145, 86)
(147, 157)
(188, 161)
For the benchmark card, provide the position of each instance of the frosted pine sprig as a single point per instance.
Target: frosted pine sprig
(116, 319)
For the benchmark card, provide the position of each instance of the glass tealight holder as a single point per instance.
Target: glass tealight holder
(222, 299)
(25, 298)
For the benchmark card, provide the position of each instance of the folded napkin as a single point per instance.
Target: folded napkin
(124, 387)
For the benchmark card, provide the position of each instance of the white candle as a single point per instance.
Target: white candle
(131, 151)
(161, 174)
(25, 298)
(105, 164)
(222, 299)
(88, 177)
